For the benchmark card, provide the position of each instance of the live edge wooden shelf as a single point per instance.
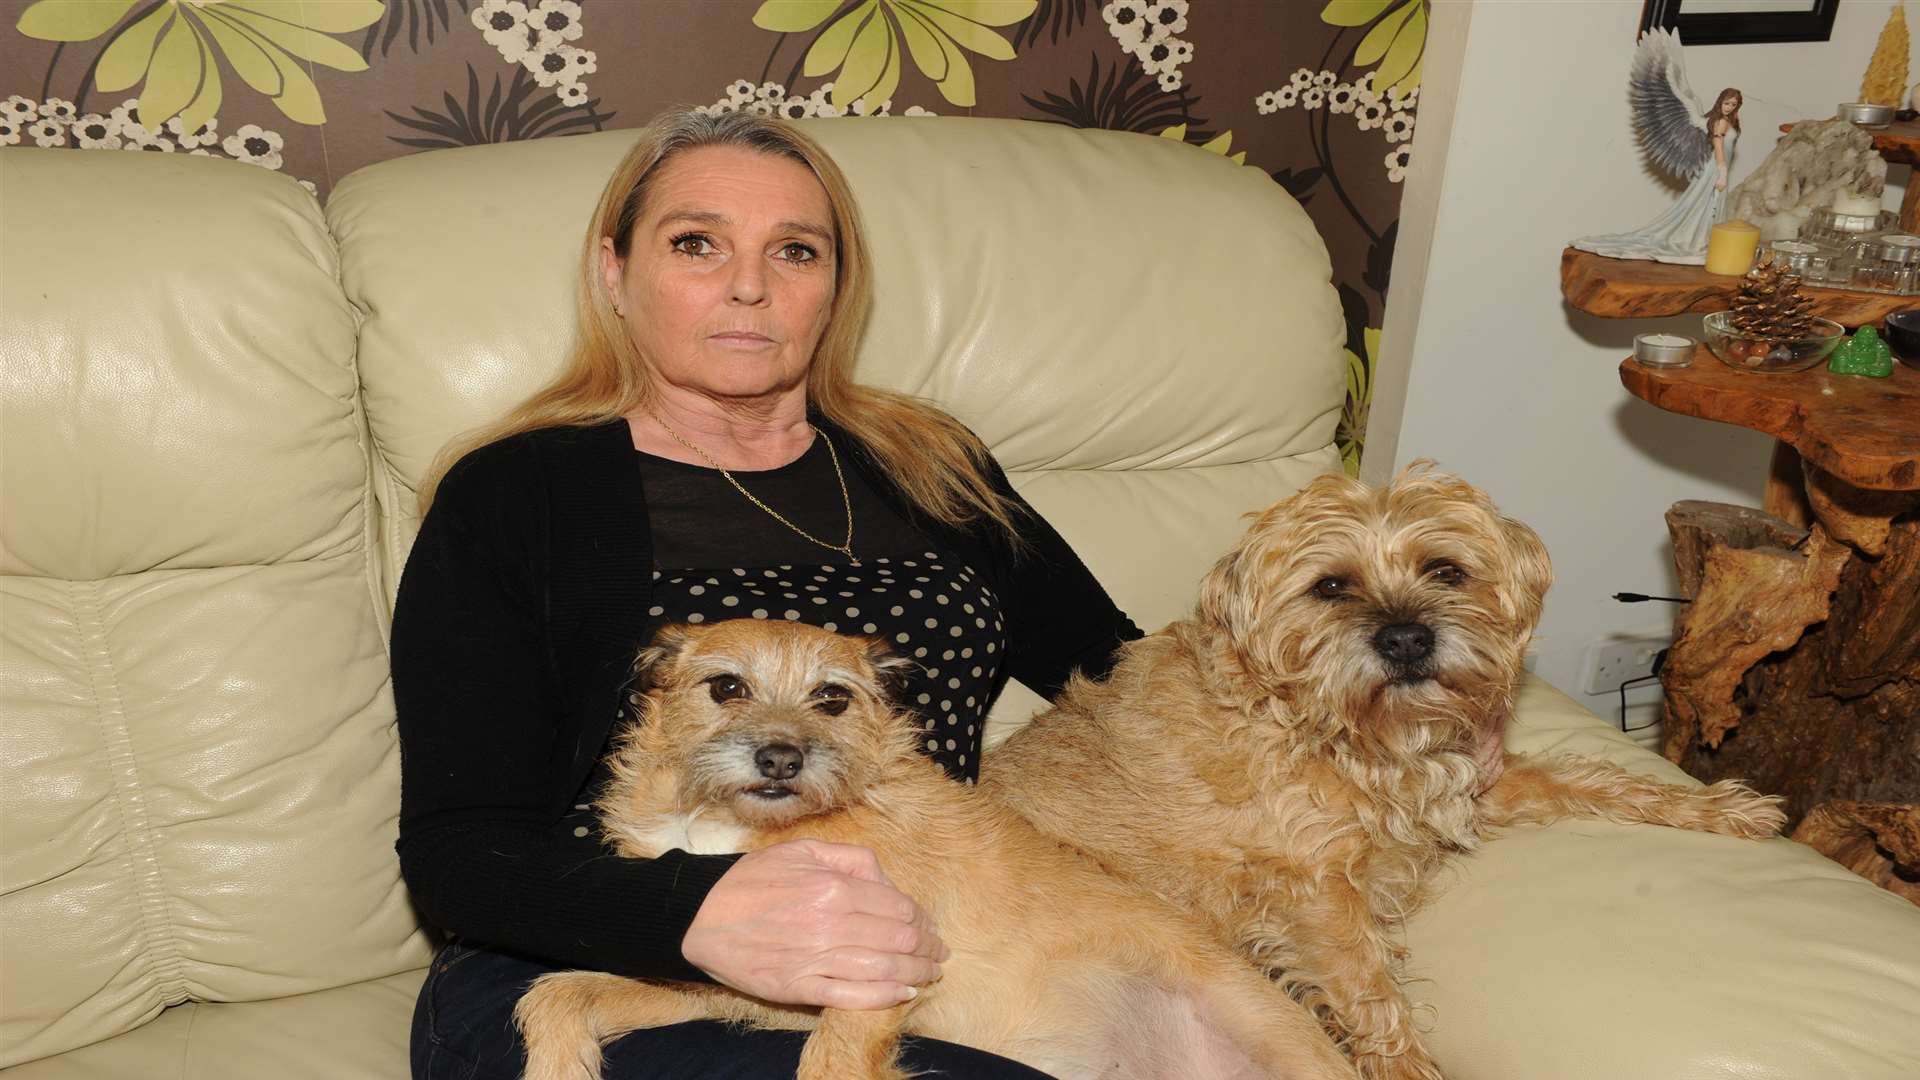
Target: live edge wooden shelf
(1796, 662)
(1638, 289)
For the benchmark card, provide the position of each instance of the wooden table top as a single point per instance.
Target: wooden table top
(1642, 289)
(1864, 431)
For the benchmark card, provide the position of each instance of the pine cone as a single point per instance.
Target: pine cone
(1771, 305)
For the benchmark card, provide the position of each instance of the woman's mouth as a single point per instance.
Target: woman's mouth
(742, 339)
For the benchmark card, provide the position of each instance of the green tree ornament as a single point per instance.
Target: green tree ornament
(1862, 354)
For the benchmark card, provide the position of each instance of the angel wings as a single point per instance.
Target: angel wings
(1671, 122)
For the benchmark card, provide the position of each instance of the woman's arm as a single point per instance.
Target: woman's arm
(1720, 154)
(479, 728)
(1065, 622)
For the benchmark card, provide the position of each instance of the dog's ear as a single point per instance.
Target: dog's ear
(890, 670)
(1529, 567)
(651, 665)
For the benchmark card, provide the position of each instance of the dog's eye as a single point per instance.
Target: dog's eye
(1331, 588)
(831, 698)
(725, 688)
(1446, 573)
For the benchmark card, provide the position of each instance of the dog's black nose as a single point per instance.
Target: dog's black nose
(1404, 643)
(779, 761)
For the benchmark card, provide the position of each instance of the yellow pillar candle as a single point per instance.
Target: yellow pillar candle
(1730, 247)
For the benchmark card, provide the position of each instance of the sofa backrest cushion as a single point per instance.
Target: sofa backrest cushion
(201, 780)
(1142, 331)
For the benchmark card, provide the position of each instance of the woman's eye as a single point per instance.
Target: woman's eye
(692, 244)
(725, 688)
(1446, 573)
(1330, 588)
(798, 252)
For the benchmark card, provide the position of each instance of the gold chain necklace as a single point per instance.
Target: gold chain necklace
(845, 548)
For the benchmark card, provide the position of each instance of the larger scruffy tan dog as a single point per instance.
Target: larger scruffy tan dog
(753, 733)
(1295, 759)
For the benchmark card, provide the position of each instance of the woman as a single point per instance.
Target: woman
(704, 455)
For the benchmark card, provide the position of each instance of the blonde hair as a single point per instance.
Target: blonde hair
(940, 466)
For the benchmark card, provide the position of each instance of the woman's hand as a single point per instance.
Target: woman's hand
(1720, 181)
(812, 923)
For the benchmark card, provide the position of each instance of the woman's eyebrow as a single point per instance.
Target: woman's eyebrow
(713, 220)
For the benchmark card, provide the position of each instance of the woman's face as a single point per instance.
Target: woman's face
(729, 273)
(1728, 104)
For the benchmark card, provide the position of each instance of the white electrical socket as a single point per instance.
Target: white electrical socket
(1615, 660)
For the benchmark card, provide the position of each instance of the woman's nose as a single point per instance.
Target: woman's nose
(748, 283)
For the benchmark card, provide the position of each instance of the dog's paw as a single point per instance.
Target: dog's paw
(1731, 808)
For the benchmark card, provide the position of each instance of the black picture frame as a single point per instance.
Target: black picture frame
(1753, 28)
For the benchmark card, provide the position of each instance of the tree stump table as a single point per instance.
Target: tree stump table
(1796, 663)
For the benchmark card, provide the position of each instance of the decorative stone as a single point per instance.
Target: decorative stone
(1862, 354)
(1816, 162)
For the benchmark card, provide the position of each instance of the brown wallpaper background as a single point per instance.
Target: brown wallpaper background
(1322, 96)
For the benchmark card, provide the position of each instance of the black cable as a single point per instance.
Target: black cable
(1659, 662)
(1641, 598)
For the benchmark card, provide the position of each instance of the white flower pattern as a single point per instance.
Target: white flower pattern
(1166, 17)
(95, 132)
(537, 38)
(1146, 29)
(48, 133)
(1126, 21)
(1397, 161)
(205, 136)
(556, 20)
(772, 99)
(255, 145)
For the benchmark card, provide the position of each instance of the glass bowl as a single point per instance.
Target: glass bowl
(1744, 352)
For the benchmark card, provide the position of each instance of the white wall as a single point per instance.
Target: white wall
(1512, 388)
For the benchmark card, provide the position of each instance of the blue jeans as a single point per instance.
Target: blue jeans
(463, 1030)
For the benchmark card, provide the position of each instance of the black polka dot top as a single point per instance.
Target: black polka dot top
(929, 608)
(718, 556)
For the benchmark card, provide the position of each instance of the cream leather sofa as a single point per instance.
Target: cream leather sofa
(219, 396)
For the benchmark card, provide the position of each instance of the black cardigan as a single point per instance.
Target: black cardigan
(522, 605)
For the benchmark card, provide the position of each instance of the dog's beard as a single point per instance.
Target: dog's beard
(723, 773)
(1336, 676)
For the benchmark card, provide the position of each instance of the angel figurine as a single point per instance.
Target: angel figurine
(1680, 138)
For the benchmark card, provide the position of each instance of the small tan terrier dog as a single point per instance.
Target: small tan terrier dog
(1295, 759)
(751, 733)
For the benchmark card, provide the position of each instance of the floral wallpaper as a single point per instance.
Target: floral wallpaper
(1321, 95)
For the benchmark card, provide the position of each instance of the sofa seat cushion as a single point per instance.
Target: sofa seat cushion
(1585, 950)
(354, 1032)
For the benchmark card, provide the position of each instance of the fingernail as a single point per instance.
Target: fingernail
(912, 992)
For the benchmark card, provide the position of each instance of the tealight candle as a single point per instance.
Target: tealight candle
(1730, 247)
(1663, 350)
(1848, 202)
